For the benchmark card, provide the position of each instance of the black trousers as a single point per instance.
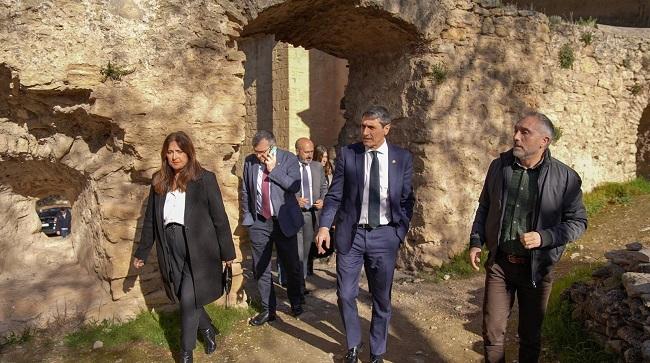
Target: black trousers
(192, 317)
(263, 233)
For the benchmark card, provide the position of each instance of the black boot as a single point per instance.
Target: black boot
(209, 339)
(186, 357)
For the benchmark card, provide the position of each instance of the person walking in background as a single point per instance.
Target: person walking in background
(271, 212)
(371, 198)
(529, 208)
(63, 222)
(310, 198)
(186, 218)
(322, 156)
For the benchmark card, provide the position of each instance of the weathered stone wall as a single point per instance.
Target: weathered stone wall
(615, 305)
(56, 108)
(498, 62)
(454, 73)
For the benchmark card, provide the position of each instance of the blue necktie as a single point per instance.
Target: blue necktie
(373, 195)
(306, 190)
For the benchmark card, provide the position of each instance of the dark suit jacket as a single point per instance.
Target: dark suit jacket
(319, 182)
(346, 193)
(285, 182)
(209, 239)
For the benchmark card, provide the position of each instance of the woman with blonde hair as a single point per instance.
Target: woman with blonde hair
(186, 219)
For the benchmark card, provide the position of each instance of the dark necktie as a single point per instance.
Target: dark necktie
(306, 190)
(373, 195)
(266, 195)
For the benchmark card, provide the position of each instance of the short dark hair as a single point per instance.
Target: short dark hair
(263, 135)
(377, 112)
(544, 120)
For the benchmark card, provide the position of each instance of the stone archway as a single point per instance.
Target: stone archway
(362, 36)
(643, 146)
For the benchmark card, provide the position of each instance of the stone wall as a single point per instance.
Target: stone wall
(56, 108)
(615, 304)
(454, 73)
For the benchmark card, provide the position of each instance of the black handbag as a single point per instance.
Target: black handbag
(226, 278)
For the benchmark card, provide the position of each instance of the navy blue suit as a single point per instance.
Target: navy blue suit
(281, 229)
(376, 249)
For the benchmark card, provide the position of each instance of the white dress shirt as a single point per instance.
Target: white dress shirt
(384, 202)
(311, 189)
(258, 190)
(174, 210)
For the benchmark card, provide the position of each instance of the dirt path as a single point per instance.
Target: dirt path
(432, 322)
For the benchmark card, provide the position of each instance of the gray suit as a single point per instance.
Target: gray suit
(310, 216)
(281, 229)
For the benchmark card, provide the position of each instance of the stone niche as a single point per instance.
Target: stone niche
(455, 74)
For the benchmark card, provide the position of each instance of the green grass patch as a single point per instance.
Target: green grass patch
(567, 338)
(160, 328)
(614, 193)
(457, 267)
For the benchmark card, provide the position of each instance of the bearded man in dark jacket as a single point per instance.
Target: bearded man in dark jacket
(529, 209)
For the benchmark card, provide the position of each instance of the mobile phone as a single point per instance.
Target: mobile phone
(273, 151)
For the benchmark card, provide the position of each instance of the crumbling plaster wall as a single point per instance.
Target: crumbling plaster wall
(56, 108)
(189, 74)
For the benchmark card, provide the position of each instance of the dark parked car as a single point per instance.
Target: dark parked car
(48, 220)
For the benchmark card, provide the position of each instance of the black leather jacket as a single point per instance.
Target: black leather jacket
(560, 216)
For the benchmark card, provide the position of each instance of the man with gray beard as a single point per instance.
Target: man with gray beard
(529, 209)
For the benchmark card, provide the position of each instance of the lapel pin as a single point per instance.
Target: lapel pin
(394, 161)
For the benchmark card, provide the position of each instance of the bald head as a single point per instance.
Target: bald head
(304, 149)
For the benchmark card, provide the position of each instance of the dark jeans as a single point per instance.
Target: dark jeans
(263, 234)
(504, 281)
(192, 317)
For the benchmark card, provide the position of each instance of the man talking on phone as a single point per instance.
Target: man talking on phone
(271, 212)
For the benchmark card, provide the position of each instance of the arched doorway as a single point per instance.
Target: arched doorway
(307, 69)
(643, 145)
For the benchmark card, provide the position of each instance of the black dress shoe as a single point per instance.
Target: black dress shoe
(261, 318)
(376, 358)
(185, 357)
(297, 310)
(209, 339)
(353, 354)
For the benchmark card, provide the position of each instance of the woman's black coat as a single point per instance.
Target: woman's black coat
(207, 230)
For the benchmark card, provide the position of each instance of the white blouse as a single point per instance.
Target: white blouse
(174, 210)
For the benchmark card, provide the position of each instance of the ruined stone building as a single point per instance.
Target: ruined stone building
(455, 75)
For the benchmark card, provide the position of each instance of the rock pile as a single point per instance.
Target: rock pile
(615, 305)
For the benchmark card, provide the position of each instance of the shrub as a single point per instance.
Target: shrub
(558, 134)
(636, 89)
(587, 38)
(566, 56)
(589, 22)
(555, 21)
(439, 72)
(114, 72)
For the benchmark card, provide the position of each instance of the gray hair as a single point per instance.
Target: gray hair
(546, 123)
(263, 135)
(377, 112)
